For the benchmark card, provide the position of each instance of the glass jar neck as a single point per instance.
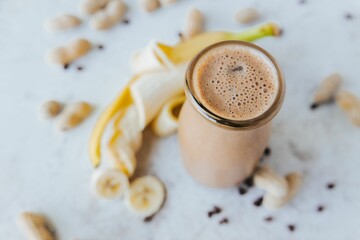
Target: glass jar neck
(247, 124)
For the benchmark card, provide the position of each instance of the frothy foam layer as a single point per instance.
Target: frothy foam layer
(235, 82)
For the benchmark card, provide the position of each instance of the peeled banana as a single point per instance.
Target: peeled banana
(166, 122)
(145, 196)
(152, 90)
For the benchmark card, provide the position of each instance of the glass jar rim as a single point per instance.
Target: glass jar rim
(251, 123)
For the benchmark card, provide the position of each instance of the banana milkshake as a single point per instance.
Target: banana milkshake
(233, 90)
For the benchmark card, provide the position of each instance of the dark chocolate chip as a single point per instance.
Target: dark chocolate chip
(249, 182)
(330, 185)
(281, 32)
(269, 219)
(314, 106)
(291, 227)
(101, 47)
(267, 151)
(217, 210)
(224, 221)
(320, 208)
(149, 218)
(258, 202)
(302, 1)
(349, 16)
(80, 68)
(238, 68)
(126, 21)
(66, 66)
(242, 191)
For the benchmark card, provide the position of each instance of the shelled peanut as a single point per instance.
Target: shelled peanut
(73, 115)
(62, 22)
(35, 226)
(350, 105)
(112, 14)
(194, 23)
(91, 6)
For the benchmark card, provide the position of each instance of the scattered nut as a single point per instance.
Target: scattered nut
(273, 184)
(247, 15)
(350, 105)
(327, 89)
(149, 5)
(50, 109)
(112, 14)
(294, 181)
(62, 22)
(194, 23)
(91, 6)
(35, 226)
(73, 115)
(166, 2)
(68, 53)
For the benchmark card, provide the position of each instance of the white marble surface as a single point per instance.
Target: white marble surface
(43, 170)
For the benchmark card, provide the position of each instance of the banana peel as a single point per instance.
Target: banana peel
(180, 53)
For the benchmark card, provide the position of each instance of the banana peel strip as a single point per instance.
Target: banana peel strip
(166, 122)
(180, 53)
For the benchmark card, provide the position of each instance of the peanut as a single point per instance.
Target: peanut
(194, 23)
(62, 22)
(294, 181)
(73, 115)
(149, 5)
(50, 109)
(35, 226)
(350, 105)
(91, 6)
(166, 2)
(327, 89)
(266, 179)
(68, 53)
(247, 15)
(111, 15)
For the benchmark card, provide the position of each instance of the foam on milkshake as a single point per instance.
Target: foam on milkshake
(235, 82)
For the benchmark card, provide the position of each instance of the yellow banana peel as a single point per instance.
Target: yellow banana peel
(179, 53)
(186, 50)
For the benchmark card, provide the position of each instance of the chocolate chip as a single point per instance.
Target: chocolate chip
(314, 106)
(224, 221)
(215, 210)
(267, 151)
(101, 47)
(242, 191)
(239, 68)
(330, 185)
(268, 219)
(66, 66)
(320, 208)
(80, 68)
(302, 1)
(258, 202)
(281, 32)
(126, 21)
(349, 16)
(291, 227)
(149, 218)
(249, 182)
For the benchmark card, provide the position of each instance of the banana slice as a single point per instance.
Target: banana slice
(145, 196)
(121, 154)
(109, 184)
(166, 121)
(129, 125)
(152, 90)
(149, 58)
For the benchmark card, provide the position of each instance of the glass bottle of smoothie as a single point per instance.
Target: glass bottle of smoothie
(233, 89)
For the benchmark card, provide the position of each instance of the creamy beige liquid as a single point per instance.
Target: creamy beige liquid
(234, 82)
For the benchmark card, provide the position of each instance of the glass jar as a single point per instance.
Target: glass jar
(219, 152)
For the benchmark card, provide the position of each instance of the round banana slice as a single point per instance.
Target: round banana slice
(109, 184)
(122, 154)
(145, 196)
(166, 121)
